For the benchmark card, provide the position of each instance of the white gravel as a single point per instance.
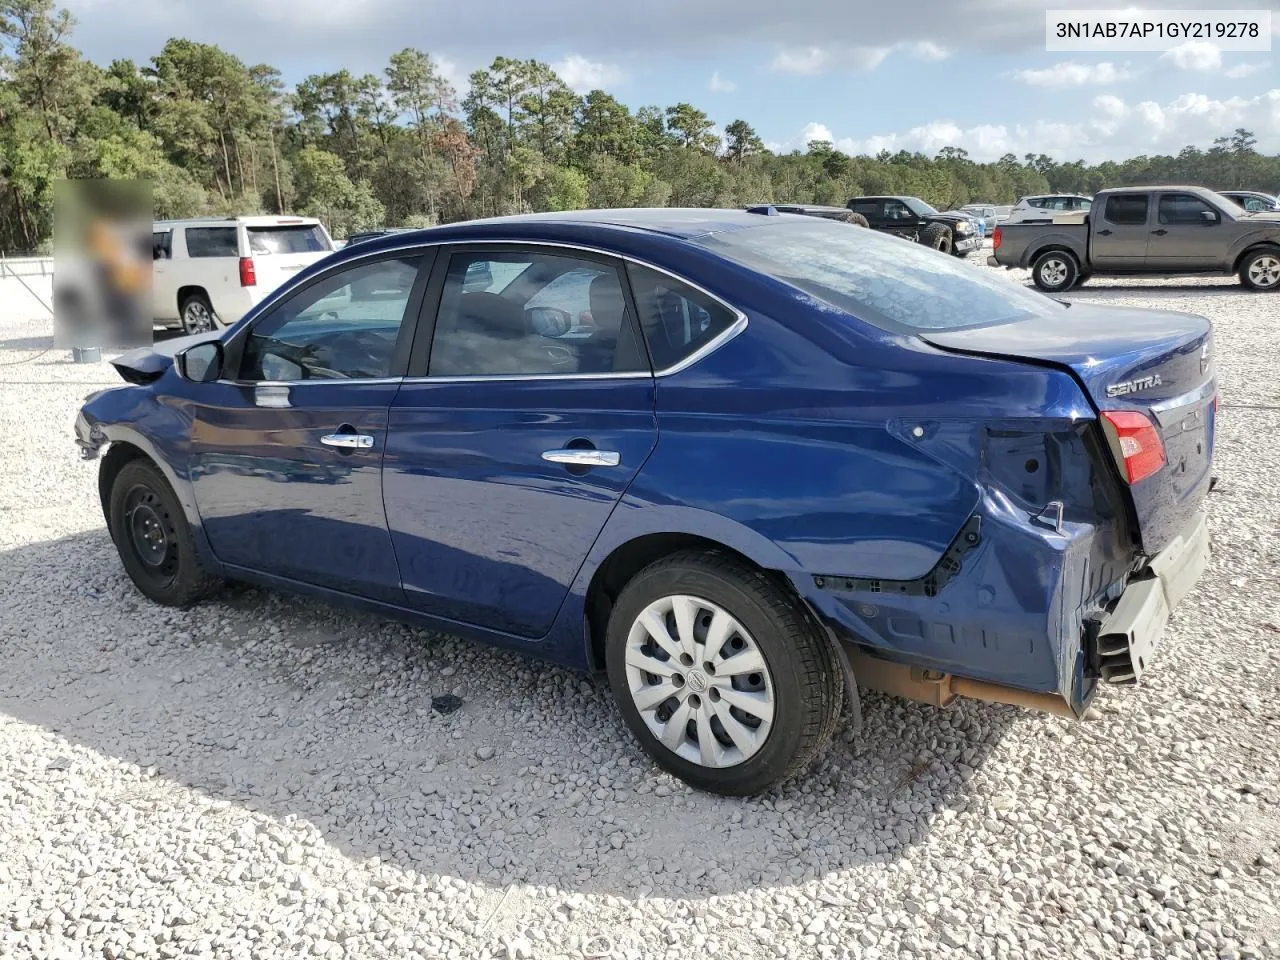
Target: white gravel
(265, 777)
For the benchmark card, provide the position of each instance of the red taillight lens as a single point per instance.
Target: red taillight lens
(1139, 442)
(996, 238)
(248, 275)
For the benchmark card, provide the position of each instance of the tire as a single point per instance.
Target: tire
(197, 314)
(791, 681)
(1055, 271)
(153, 538)
(858, 220)
(1260, 270)
(937, 236)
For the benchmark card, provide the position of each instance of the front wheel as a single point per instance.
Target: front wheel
(1055, 271)
(937, 236)
(153, 537)
(720, 675)
(1261, 270)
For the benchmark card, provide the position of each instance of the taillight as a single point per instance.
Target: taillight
(996, 238)
(248, 275)
(1140, 447)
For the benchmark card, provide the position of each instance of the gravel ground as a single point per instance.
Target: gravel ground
(265, 776)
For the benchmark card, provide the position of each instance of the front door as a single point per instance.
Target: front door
(286, 453)
(1188, 234)
(1120, 232)
(526, 416)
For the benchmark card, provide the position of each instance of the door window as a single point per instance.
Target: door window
(162, 245)
(897, 210)
(1126, 209)
(212, 242)
(676, 319)
(342, 327)
(1182, 208)
(530, 315)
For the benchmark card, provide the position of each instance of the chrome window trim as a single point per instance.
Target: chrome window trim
(708, 348)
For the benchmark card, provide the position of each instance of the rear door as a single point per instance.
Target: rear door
(529, 409)
(1120, 232)
(1188, 235)
(281, 249)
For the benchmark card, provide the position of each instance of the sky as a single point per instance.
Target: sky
(865, 74)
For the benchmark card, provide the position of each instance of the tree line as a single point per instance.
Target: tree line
(216, 136)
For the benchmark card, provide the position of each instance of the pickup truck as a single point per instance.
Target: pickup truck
(1154, 231)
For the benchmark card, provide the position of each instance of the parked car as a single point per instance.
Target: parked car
(986, 212)
(1161, 231)
(210, 271)
(1252, 201)
(977, 226)
(793, 459)
(1044, 208)
(1002, 213)
(912, 218)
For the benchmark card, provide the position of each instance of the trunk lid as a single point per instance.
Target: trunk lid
(1157, 363)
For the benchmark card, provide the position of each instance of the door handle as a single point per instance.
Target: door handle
(1160, 233)
(348, 441)
(1104, 233)
(583, 458)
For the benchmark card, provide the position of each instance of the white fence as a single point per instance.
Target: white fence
(26, 288)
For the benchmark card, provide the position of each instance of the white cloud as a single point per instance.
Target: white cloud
(1194, 55)
(809, 60)
(1242, 70)
(1069, 73)
(1114, 129)
(583, 75)
(928, 50)
(815, 131)
(719, 84)
(801, 60)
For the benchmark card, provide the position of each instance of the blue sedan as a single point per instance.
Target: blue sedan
(744, 463)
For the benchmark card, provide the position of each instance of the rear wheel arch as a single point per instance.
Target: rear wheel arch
(629, 558)
(187, 292)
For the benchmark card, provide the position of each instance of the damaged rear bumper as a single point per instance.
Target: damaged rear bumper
(1134, 627)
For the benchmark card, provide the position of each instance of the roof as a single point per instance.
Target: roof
(256, 220)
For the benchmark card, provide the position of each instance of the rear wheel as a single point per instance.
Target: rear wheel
(1055, 271)
(1260, 270)
(197, 314)
(720, 675)
(858, 220)
(153, 537)
(937, 236)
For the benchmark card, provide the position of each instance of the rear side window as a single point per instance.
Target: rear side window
(212, 242)
(1127, 209)
(1176, 208)
(877, 278)
(677, 320)
(162, 245)
(868, 208)
(305, 238)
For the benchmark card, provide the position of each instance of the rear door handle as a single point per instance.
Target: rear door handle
(1160, 233)
(348, 441)
(583, 458)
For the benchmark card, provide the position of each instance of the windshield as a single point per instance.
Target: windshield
(895, 284)
(919, 206)
(306, 238)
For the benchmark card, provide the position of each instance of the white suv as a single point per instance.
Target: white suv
(1044, 208)
(211, 271)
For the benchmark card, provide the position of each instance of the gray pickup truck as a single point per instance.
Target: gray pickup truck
(1137, 231)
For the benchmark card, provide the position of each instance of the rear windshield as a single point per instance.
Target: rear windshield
(893, 283)
(304, 238)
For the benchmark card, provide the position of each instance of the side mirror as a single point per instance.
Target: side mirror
(201, 363)
(1209, 216)
(549, 321)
